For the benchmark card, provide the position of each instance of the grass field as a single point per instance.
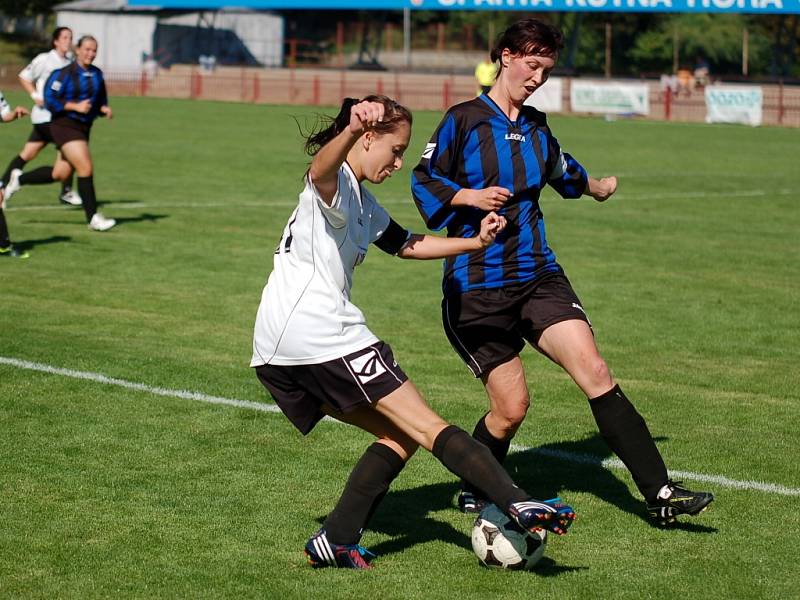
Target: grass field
(690, 275)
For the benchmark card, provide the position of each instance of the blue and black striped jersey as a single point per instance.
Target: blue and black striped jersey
(477, 146)
(73, 83)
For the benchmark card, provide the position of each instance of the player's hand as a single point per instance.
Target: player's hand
(491, 225)
(106, 110)
(602, 189)
(39, 102)
(489, 199)
(20, 112)
(365, 115)
(83, 107)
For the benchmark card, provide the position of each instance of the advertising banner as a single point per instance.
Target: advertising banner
(633, 6)
(548, 97)
(609, 98)
(734, 104)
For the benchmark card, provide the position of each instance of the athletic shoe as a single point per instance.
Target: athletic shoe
(470, 503)
(12, 187)
(101, 223)
(674, 500)
(71, 197)
(12, 252)
(552, 515)
(321, 553)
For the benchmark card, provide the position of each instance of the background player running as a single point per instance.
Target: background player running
(315, 354)
(494, 153)
(33, 79)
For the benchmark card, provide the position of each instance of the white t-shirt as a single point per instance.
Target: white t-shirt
(4, 107)
(305, 315)
(37, 73)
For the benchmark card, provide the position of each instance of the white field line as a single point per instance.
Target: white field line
(608, 463)
(757, 193)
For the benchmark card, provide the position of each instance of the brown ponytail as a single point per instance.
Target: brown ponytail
(328, 128)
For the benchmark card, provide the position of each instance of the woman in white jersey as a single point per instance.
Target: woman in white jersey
(32, 78)
(315, 354)
(8, 114)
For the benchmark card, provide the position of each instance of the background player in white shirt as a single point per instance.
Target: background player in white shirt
(33, 78)
(7, 249)
(315, 354)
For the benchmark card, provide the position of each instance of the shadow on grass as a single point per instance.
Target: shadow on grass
(149, 217)
(30, 244)
(545, 472)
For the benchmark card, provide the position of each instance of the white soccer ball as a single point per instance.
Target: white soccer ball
(498, 541)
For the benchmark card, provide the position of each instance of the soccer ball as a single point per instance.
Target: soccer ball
(498, 541)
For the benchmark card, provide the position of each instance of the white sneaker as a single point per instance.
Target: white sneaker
(101, 223)
(12, 187)
(72, 198)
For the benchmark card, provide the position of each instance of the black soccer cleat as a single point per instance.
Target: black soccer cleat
(469, 503)
(677, 501)
(552, 515)
(321, 553)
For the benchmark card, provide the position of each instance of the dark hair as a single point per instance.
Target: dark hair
(86, 38)
(57, 33)
(328, 128)
(527, 37)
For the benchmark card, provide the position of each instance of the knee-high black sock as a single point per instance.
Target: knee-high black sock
(86, 190)
(626, 433)
(472, 461)
(368, 483)
(38, 176)
(16, 163)
(5, 241)
(498, 448)
(66, 186)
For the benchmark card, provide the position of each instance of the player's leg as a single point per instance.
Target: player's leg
(62, 171)
(76, 152)
(7, 249)
(10, 180)
(571, 344)
(469, 459)
(487, 342)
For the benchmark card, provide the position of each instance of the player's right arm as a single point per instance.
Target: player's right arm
(324, 169)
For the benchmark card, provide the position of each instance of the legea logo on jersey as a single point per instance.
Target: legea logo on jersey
(367, 366)
(517, 137)
(429, 148)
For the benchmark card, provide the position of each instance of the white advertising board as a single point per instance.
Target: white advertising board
(609, 97)
(734, 104)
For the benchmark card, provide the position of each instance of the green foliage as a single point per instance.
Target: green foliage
(688, 274)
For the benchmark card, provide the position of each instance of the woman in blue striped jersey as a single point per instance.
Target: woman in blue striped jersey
(495, 153)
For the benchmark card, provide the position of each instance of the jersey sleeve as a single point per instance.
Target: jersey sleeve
(34, 69)
(5, 109)
(565, 174)
(334, 212)
(430, 186)
(54, 92)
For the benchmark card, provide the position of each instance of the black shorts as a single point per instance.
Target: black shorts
(41, 133)
(64, 129)
(488, 327)
(343, 384)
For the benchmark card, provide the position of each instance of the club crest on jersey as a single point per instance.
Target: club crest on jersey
(517, 137)
(367, 366)
(429, 148)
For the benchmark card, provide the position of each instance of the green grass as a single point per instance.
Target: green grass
(689, 275)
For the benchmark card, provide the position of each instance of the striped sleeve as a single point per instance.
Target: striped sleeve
(55, 90)
(432, 189)
(566, 175)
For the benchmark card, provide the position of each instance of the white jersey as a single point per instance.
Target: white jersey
(305, 315)
(37, 73)
(5, 109)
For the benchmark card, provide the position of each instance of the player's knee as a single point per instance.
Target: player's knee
(599, 373)
(507, 419)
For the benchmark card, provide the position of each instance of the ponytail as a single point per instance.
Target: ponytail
(328, 128)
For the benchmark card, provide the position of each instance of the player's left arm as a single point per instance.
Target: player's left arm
(102, 100)
(8, 114)
(601, 189)
(404, 244)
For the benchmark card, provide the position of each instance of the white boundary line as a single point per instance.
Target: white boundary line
(608, 463)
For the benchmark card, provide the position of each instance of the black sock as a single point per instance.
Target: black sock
(498, 448)
(472, 461)
(66, 186)
(5, 242)
(86, 190)
(626, 433)
(16, 163)
(368, 483)
(38, 176)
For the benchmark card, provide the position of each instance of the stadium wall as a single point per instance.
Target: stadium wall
(326, 87)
